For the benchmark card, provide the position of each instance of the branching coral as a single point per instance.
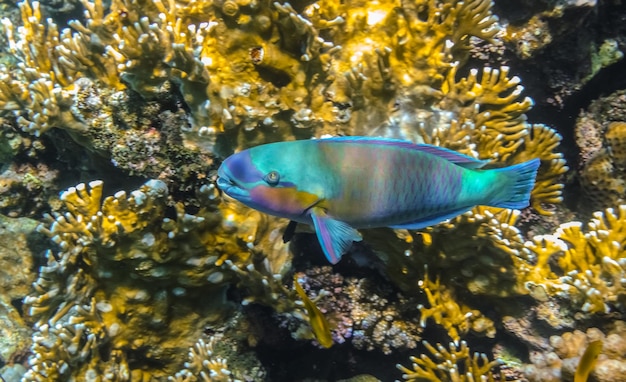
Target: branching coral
(584, 270)
(457, 319)
(347, 68)
(475, 249)
(204, 365)
(592, 262)
(149, 45)
(39, 86)
(71, 341)
(149, 282)
(452, 364)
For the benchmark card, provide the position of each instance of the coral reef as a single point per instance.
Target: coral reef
(27, 182)
(163, 89)
(566, 43)
(528, 36)
(476, 249)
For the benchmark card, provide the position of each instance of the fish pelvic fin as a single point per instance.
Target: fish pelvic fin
(334, 236)
(289, 231)
(518, 184)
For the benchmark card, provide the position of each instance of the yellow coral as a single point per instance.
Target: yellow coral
(589, 265)
(592, 262)
(456, 318)
(41, 87)
(481, 243)
(385, 72)
(615, 137)
(204, 365)
(486, 120)
(112, 251)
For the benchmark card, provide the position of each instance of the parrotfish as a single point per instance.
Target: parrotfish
(340, 184)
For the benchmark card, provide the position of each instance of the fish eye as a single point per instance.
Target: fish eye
(272, 178)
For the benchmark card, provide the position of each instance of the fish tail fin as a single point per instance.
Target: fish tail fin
(519, 181)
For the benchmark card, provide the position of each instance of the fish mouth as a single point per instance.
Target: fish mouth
(230, 186)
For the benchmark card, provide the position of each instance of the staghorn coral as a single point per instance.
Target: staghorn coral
(452, 364)
(475, 249)
(72, 341)
(203, 365)
(149, 45)
(131, 284)
(579, 271)
(219, 359)
(457, 319)
(592, 263)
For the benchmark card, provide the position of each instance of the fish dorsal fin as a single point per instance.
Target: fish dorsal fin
(334, 236)
(450, 155)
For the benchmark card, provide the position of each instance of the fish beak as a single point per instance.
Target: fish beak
(224, 183)
(229, 186)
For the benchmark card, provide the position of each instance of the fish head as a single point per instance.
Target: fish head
(265, 179)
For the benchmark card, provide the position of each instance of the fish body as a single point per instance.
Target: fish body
(341, 184)
(588, 361)
(319, 323)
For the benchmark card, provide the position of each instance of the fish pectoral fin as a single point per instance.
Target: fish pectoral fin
(289, 231)
(334, 236)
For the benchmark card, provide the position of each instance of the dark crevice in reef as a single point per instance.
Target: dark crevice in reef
(84, 166)
(563, 117)
(553, 77)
